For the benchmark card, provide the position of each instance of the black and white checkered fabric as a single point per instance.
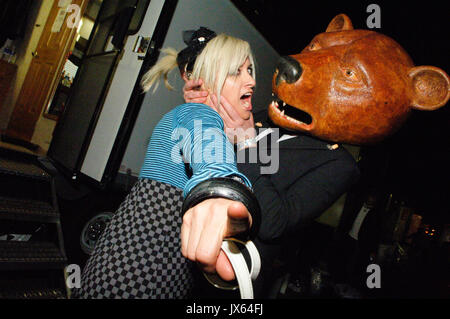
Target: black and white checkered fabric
(139, 253)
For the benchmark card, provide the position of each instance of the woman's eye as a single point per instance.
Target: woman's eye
(239, 71)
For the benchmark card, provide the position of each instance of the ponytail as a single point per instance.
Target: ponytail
(161, 69)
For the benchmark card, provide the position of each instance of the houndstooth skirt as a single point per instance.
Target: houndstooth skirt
(139, 253)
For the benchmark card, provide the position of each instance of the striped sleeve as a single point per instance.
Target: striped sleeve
(159, 165)
(208, 151)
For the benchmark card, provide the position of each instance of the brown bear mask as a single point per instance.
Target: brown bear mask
(353, 86)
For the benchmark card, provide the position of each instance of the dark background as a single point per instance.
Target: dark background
(413, 164)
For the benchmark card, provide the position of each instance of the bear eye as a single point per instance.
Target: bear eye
(351, 75)
(314, 46)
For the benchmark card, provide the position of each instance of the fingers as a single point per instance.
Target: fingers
(209, 247)
(215, 103)
(191, 232)
(224, 268)
(231, 123)
(194, 238)
(237, 210)
(195, 96)
(201, 234)
(229, 109)
(192, 92)
(227, 120)
(229, 115)
(192, 85)
(239, 219)
(185, 230)
(236, 128)
(204, 228)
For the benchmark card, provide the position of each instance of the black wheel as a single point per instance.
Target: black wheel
(92, 230)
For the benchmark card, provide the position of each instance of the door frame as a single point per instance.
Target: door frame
(130, 115)
(9, 135)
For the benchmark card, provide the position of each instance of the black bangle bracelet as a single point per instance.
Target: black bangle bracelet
(225, 188)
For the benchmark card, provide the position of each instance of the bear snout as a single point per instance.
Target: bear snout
(289, 70)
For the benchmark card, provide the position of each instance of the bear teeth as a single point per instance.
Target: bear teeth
(281, 112)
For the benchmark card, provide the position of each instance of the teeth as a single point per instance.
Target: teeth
(290, 119)
(295, 121)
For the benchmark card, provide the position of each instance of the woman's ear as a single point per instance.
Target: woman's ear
(430, 87)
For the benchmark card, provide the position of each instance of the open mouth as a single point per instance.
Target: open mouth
(289, 112)
(246, 99)
(246, 96)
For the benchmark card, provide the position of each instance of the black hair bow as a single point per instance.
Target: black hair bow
(195, 40)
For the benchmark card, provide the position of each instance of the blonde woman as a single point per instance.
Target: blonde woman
(143, 253)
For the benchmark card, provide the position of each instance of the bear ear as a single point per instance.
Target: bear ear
(341, 22)
(430, 87)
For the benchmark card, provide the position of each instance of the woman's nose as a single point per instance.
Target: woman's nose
(250, 81)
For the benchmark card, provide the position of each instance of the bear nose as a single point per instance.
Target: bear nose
(289, 70)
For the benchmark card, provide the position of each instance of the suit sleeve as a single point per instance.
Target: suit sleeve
(283, 212)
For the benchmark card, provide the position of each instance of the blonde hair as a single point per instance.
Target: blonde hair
(222, 56)
(161, 69)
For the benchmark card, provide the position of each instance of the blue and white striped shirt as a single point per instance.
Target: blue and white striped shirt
(188, 146)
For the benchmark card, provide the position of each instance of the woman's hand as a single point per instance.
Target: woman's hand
(204, 228)
(236, 128)
(192, 92)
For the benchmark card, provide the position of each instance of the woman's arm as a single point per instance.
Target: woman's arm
(210, 154)
(208, 150)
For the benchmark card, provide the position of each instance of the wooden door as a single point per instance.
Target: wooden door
(45, 68)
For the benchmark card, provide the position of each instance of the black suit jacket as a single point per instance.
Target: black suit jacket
(312, 175)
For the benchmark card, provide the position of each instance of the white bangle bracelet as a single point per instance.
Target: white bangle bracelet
(243, 275)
